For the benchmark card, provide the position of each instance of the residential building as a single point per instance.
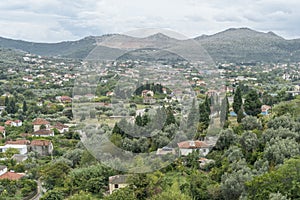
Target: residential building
(116, 182)
(42, 147)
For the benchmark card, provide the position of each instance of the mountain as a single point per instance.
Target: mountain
(231, 45)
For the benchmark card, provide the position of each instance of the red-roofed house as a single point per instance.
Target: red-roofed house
(21, 142)
(43, 133)
(38, 122)
(188, 147)
(2, 131)
(14, 123)
(61, 127)
(42, 147)
(12, 176)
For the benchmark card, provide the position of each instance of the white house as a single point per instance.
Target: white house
(187, 147)
(38, 122)
(3, 169)
(20, 147)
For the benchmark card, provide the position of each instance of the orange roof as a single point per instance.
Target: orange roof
(40, 121)
(42, 132)
(24, 142)
(192, 144)
(2, 128)
(40, 142)
(60, 126)
(12, 176)
(8, 122)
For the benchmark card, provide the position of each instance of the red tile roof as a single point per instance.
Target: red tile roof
(42, 132)
(12, 176)
(40, 142)
(2, 129)
(40, 121)
(192, 144)
(24, 142)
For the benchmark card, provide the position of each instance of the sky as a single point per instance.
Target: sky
(61, 20)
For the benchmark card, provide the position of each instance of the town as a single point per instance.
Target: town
(209, 126)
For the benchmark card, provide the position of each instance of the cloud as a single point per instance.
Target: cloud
(57, 20)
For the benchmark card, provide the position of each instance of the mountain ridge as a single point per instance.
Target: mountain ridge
(231, 45)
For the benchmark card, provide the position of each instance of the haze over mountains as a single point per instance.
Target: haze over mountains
(232, 45)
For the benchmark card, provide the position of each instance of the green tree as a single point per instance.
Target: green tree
(240, 115)
(252, 105)
(237, 100)
(24, 107)
(54, 174)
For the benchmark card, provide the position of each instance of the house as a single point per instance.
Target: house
(3, 169)
(265, 109)
(187, 147)
(204, 161)
(18, 142)
(2, 108)
(42, 147)
(149, 100)
(147, 93)
(110, 94)
(61, 127)
(43, 133)
(116, 182)
(22, 148)
(14, 123)
(64, 99)
(4, 174)
(19, 158)
(2, 131)
(38, 122)
(165, 150)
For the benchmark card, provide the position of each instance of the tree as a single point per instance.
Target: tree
(283, 180)
(237, 100)
(53, 175)
(251, 123)
(172, 193)
(224, 110)
(252, 105)
(139, 120)
(240, 115)
(10, 152)
(204, 115)
(227, 137)
(24, 107)
(279, 149)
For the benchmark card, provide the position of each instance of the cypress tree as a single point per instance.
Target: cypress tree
(237, 100)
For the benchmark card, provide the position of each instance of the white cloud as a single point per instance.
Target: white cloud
(56, 20)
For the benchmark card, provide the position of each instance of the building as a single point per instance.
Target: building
(3, 169)
(14, 123)
(2, 131)
(38, 122)
(43, 133)
(61, 127)
(4, 174)
(165, 150)
(187, 147)
(116, 182)
(42, 147)
(20, 147)
(147, 93)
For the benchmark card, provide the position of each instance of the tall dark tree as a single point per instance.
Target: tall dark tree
(24, 107)
(224, 110)
(203, 115)
(139, 120)
(252, 104)
(237, 100)
(240, 116)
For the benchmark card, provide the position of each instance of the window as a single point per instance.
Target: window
(116, 186)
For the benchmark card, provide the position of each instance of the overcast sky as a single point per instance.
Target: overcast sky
(58, 20)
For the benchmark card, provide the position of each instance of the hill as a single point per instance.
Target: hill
(232, 45)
